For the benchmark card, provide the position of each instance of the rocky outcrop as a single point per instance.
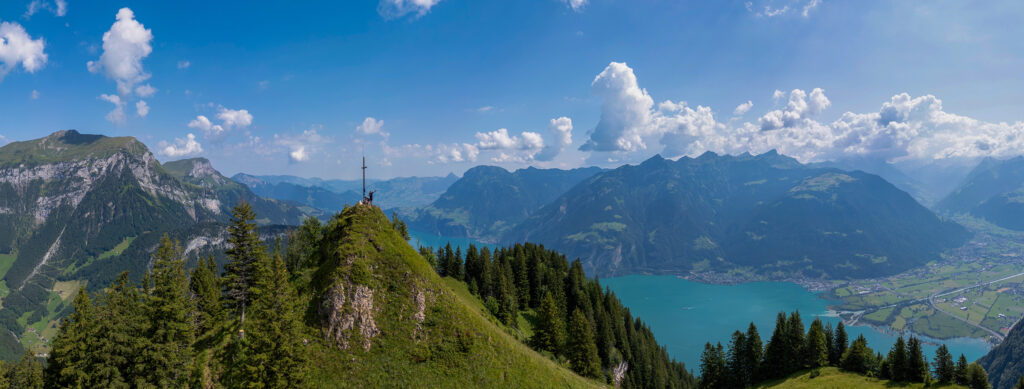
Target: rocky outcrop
(348, 314)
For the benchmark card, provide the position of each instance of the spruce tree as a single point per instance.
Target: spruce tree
(795, 341)
(713, 369)
(70, 354)
(549, 335)
(830, 345)
(170, 333)
(775, 357)
(245, 256)
(272, 354)
(815, 348)
(840, 343)
(27, 373)
(206, 291)
(977, 378)
(737, 360)
(960, 372)
(858, 357)
(121, 337)
(943, 365)
(582, 350)
(897, 361)
(754, 355)
(917, 366)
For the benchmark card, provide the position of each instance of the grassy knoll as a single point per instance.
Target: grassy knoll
(831, 377)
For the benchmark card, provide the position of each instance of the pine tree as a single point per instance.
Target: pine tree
(775, 357)
(795, 341)
(549, 334)
(713, 371)
(582, 349)
(170, 333)
(830, 345)
(27, 373)
(69, 361)
(977, 378)
(737, 360)
(917, 366)
(960, 372)
(245, 256)
(840, 343)
(815, 348)
(206, 291)
(897, 361)
(302, 250)
(120, 342)
(754, 354)
(858, 357)
(943, 365)
(272, 354)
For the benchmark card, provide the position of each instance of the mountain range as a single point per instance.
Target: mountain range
(994, 191)
(71, 204)
(332, 195)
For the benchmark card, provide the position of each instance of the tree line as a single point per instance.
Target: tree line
(181, 329)
(746, 361)
(575, 321)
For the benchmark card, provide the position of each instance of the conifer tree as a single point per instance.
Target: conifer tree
(69, 362)
(272, 354)
(778, 346)
(858, 357)
(582, 349)
(943, 365)
(795, 342)
(830, 345)
(27, 373)
(170, 333)
(917, 366)
(737, 360)
(840, 343)
(754, 354)
(550, 332)
(714, 373)
(815, 349)
(429, 256)
(120, 342)
(977, 378)
(302, 249)
(897, 361)
(245, 256)
(960, 372)
(206, 291)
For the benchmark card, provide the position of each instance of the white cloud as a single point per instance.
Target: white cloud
(811, 5)
(181, 147)
(34, 95)
(142, 108)
(743, 108)
(184, 64)
(203, 124)
(561, 135)
(145, 90)
(232, 118)
(125, 45)
(776, 8)
(576, 5)
(625, 111)
(116, 116)
(371, 126)
(18, 48)
(393, 9)
(301, 147)
(486, 108)
(58, 7)
(501, 140)
(801, 107)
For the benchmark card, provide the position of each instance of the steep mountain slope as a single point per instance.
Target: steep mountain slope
(71, 203)
(488, 200)
(395, 193)
(767, 214)
(1005, 362)
(386, 319)
(994, 190)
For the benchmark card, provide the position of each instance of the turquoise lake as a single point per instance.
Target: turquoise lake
(685, 314)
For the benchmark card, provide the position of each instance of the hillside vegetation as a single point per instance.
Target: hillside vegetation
(832, 377)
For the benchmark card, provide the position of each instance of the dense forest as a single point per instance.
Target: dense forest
(745, 362)
(573, 319)
(1006, 361)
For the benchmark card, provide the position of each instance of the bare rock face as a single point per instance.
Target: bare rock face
(348, 314)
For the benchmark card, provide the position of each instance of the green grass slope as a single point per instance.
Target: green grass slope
(831, 377)
(381, 317)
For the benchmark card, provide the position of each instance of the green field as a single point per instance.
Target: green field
(831, 377)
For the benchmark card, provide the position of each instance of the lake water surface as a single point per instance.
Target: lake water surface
(685, 314)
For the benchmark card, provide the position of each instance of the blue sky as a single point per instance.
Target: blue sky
(426, 87)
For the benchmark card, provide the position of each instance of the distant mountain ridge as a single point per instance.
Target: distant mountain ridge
(767, 214)
(332, 195)
(994, 191)
(1005, 362)
(488, 200)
